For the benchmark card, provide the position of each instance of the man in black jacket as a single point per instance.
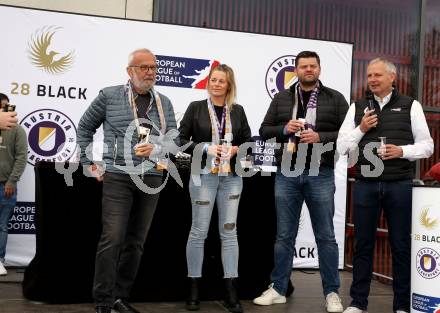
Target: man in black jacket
(306, 119)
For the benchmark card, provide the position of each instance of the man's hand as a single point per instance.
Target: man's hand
(96, 172)
(369, 120)
(293, 126)
(9, 191)
(8, 120)
(391, 152)
(143, 150)
(309, 136)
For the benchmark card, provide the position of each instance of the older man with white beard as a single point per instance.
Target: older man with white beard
(127, 112)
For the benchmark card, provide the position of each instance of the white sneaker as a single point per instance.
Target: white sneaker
(333, 303)
(352, 309)
(3, 271)
(270, 296)
(401, 311)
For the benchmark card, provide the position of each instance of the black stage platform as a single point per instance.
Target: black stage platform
(68, 228)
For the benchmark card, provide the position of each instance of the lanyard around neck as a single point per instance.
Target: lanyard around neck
(220, 124)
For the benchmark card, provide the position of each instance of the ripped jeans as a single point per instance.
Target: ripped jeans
(226, 190)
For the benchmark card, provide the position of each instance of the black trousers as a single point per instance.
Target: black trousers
(395, 198)
(127, 213)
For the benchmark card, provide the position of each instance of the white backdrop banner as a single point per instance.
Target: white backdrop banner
(54, 65)
(425, 250)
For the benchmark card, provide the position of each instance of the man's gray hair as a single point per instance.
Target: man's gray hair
(141, 50)
(391, 68)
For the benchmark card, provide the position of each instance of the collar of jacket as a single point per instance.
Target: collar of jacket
(293, 87)
(394, 94)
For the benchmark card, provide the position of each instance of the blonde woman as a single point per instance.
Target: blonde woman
(213, 120)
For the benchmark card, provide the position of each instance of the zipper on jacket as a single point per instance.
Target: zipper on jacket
(115, 150)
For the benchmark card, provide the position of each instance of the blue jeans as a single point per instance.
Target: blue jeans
(369, 198)
(226, 190)
(6, 207)
(318, 193)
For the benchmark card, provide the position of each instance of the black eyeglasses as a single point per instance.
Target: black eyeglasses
(145, 68)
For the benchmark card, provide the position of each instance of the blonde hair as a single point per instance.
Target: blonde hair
(232, 88)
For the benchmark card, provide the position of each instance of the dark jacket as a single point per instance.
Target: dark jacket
(394, 124)
(330, 113)
(196, 127)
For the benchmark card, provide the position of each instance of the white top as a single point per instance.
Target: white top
(350, 135)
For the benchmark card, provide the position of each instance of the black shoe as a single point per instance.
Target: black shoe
(232, 303)
(122, 306)
(103, 309)
(290, 289)
(193, 302)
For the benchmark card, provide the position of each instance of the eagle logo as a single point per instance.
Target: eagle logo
(43, 57)
(426, 221)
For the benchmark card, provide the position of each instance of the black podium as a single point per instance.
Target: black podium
(68, 228)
